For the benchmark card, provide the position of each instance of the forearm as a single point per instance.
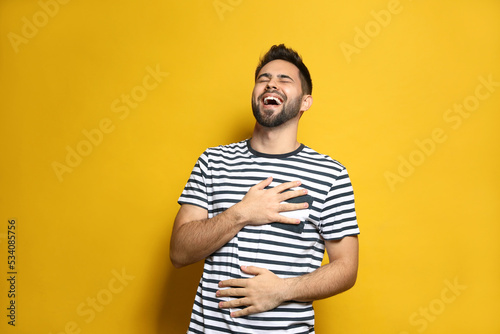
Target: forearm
(326, 281)
(265, 290)
(197, 239)
(194, 237)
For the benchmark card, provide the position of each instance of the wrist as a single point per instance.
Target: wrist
(290, 288)
(235, 214)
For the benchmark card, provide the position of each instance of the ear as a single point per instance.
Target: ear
(307, 101)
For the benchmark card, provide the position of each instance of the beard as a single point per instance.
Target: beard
(289, 109)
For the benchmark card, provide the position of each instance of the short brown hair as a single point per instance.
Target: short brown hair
(291, 56)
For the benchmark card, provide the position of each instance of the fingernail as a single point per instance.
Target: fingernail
(220, 305)
(217, 293)
(243, 267)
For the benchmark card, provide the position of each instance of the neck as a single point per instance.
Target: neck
(278, 140)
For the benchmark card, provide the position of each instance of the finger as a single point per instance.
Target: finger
(246, 311)
(231, 292)
(235, 303)
(252, 270)
(263, 184)
(286, 220)
(236, 282)
(287, 185)
(284, 207)
(293, 194)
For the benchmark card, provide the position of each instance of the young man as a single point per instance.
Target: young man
(261, 212)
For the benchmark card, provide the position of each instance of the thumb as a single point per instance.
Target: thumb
(264, 183)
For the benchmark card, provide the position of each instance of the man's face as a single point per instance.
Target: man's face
(277, 94)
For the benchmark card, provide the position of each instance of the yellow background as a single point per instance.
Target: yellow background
(436, 225)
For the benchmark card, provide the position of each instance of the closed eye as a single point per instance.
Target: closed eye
(285, 78)
(264, 77)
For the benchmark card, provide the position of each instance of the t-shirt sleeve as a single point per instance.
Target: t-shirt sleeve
(195, 191)
(338, 216)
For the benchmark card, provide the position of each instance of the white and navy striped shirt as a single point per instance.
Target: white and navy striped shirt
(221, 177)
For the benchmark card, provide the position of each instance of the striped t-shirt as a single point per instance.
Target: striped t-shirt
(221, 177)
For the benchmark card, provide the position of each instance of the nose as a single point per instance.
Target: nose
(271, 84)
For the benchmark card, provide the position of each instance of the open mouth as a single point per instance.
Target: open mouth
(272, 100)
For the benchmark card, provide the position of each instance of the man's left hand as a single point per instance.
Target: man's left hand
(263, 292)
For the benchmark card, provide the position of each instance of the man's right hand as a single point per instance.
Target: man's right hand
(263, 206)
(195, 236)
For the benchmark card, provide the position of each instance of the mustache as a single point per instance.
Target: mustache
(272, 91)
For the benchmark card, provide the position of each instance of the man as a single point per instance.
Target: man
(261, 212)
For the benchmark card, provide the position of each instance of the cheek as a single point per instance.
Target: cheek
(291, 93)
(255, 94)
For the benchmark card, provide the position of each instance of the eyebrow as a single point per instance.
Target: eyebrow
(280, 76)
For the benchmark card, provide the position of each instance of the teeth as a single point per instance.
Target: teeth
(269, 98)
